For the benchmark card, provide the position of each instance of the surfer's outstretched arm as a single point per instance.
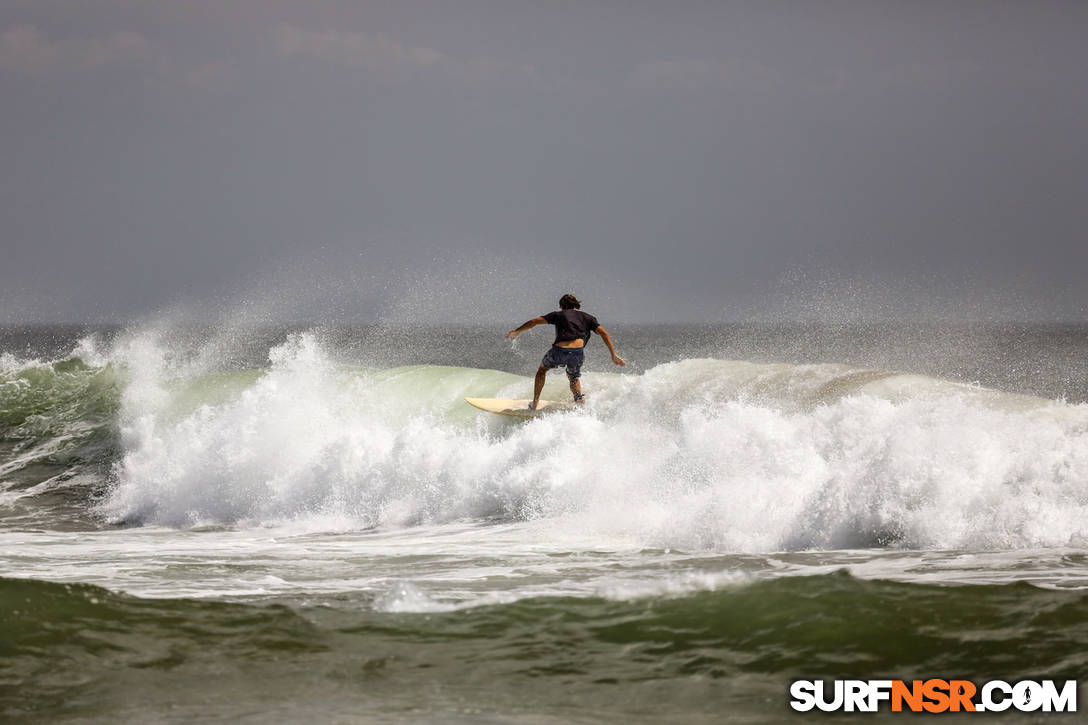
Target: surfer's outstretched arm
(512, 335)
(611, 348)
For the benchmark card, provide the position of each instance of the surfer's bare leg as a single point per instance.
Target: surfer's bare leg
(576, 390)
(538, 385)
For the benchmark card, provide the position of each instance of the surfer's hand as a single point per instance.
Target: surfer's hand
(512, 335)
(619, 361)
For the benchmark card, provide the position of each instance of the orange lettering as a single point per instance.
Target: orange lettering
(961, 693)
(912, 696)
(937, 691)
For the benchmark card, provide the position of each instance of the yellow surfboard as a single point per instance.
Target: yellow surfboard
(518, 408)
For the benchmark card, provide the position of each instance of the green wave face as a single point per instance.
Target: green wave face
(58, 427)
(68, 648)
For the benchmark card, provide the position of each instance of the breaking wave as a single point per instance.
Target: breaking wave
(698, 454)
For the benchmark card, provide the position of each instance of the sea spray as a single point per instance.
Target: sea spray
(696, 454)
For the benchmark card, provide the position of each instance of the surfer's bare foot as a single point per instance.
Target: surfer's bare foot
(579, 399)
(532, 405)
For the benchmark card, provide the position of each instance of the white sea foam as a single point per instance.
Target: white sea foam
(407, 597)
(11, 363)
(704, 455)
(88, 349)
(91, 351)
(672, 585)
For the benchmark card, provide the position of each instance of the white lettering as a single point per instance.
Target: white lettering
(855, 696)
(833, 704)
(879, 690)
(1027, 696)
(1065, 701)
(987, 695)
(804, 695)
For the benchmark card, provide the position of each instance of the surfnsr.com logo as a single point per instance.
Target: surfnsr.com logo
(933, 695)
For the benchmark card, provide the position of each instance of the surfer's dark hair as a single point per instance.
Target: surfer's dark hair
(569, 302)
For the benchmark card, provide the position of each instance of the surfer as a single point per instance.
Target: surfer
(572, 330)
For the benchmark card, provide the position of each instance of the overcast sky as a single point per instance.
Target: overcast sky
(670, 160)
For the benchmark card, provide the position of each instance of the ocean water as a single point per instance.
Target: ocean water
(308, 524)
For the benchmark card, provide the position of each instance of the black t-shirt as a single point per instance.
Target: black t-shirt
(571, 324)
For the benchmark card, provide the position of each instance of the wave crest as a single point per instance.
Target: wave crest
(694, 454)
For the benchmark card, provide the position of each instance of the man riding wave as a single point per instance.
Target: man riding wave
(572, 330)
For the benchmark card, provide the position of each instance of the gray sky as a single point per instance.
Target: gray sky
(671, 160)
